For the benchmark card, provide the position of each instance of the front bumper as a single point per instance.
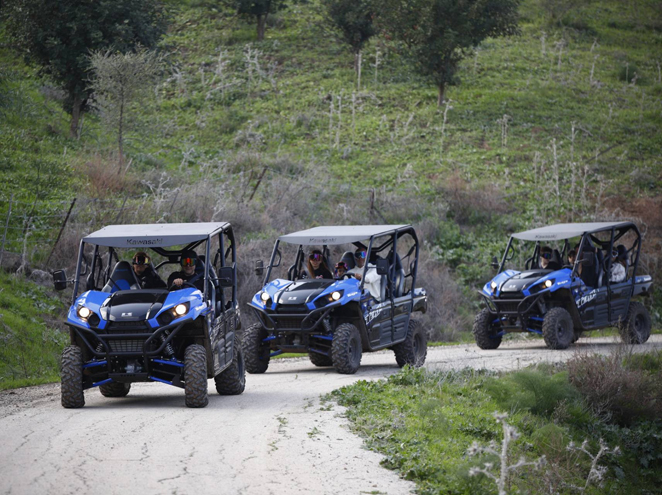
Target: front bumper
(517, 313)
(293, 322)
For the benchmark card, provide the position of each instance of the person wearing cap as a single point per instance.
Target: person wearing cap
(145, 273)
(341, 271)
(617, 271)
(317, 267)
(372, 280)
(187, 274)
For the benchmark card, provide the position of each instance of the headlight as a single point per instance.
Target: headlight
(265, 296)
(84, 312)
(493, 284)
(335, 295)
(548, 283)
(181, 309)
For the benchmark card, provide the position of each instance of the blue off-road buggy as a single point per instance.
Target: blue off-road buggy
(335, 321)
(122, 333)
(559, 299)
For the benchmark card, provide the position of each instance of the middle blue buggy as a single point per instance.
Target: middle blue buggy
(335, 321)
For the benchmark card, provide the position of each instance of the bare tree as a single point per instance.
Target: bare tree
(120, 82)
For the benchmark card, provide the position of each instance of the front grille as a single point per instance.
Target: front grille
(127, 327)
(506, 307)
(292, 308)
(288, 323)
(126, 345)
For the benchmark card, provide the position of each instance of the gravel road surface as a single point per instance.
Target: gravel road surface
(276, 438)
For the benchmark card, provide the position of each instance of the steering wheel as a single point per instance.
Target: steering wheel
(184, 283)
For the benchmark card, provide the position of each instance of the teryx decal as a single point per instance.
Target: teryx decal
(372, 315)
(587, 298)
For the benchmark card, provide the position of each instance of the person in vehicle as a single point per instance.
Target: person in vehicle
(145, 274)
(187, 274)
(617, 272)
(341, 271)
(547, 259)
(572, 257)
(317, 267)
(372, 280)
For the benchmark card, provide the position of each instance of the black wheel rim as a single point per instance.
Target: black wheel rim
(562, 331)
(639, 325)
(354, 351)
(417, 345)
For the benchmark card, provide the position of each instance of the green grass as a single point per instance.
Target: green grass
(425, 422)
(30, 342)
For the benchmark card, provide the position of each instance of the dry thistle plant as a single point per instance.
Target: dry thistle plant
(509, 435)
(597, 472)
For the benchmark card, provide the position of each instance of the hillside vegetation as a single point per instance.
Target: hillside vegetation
(560, 123)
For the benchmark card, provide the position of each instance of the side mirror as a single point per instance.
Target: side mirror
(382, 267)
(259, 268)
(495, 263)
(226, 276)
(59, 280)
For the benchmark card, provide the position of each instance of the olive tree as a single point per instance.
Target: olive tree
(354, 19)
(259, 9)
(438, 34)
(59, 35)
(120, 82)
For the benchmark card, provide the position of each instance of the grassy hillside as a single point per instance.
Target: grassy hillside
(558, 124)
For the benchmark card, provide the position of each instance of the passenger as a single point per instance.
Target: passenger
(145, 274)
(617, 272)
(317, 267)
(187, 274)
(572, 257)
(545, 257)
(372, 280)
(341, 271)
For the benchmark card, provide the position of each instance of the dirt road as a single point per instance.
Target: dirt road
(275, 438)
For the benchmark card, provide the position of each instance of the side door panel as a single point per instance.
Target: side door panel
(401, 317)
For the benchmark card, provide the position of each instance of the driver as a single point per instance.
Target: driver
(372, 280)
(145, 274)
(176, 280)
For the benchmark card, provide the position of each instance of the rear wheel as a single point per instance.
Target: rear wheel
(558, 329)
(72, 378)
(232, 380)
(636, 328)
(195, 376)
(414, 349)
(256, 351)
(319, 359)
(346, 349)
(485, 332)
(115, 389)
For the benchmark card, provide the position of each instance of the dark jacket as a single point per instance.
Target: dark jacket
(150, 280)
(197, 279)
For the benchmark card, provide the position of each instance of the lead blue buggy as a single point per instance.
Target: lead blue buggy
(122, 333)
(335, 321)
(561, 299)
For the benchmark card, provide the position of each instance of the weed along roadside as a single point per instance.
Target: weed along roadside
(592, 425)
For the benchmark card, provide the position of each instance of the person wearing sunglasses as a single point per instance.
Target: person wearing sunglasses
(187, 274)
(317, 267)
(372, 279)
(617, 271)
(145, 273)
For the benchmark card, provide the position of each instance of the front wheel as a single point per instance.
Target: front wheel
(195, 376)
(558, 329)
(257, 352)
(72, 378)
(115, 389)
(346, 349)
(232, 380)
(485, 333)
(414, 349)
(636, 328)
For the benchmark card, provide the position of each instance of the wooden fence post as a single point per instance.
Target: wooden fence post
(66, 219)
(4, 236)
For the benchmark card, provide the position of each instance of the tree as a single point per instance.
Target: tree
(354, 18)
(120, 81)
(59, 35)
(260, 9)
(438, 34)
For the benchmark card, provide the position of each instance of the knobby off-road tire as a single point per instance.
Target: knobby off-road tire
(485, 334)
(558, 329)
(346, 349)
(195, 376)
(71, 390)
(414, 349)
(232, 380)
(319, 359)
(636, 328)
(115, 389)
(256, 352)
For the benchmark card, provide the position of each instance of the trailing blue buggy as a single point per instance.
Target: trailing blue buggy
(567, 287)
(182, 335)
(335, 320)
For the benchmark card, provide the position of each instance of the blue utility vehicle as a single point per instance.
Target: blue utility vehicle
(336, 320)
(566, 288)
(122, 333)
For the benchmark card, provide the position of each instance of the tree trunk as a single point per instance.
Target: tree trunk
(75, 116)
(261, 26)
(120, 139)
(440, 98)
